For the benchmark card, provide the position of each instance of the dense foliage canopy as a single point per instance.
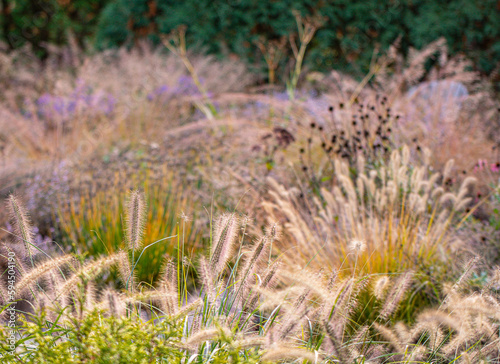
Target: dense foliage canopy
(351, 31)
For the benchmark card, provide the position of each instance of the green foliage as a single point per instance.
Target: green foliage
(37, 22)
(348, 39)
(467, 26)
(353, 30)
(97, 339)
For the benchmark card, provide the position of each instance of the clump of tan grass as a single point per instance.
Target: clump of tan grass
(250, 302)
(463, 328)
(402, 213)
(229, 295)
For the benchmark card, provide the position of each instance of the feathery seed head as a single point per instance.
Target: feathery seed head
(448, 198)
(135, 219)
(168, 287)
(271, 275)
(357, 246)
(23, 230)
(88, 272)
(287, 353)
(55, 281)
(208, 334)
(202, 336)
(188, 308)
(468, 183)
(468, 270)
(40, 270)
(396, 294)
(437, 192)
(125, 271)
(207, 280)
(184, 217)
(390, 336)
(90, 296)
(380, 287)
(113, 303)
(447, 169)
(249, 342)
(246, 220)
(273, 231)
(226, 231)
(252, 263)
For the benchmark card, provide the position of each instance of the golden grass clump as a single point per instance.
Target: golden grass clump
(383, 220)
(98, 222)
(279, 312)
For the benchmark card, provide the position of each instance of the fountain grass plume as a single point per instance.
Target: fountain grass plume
(281, 353)
(127, 276)
(41, 269)
(89, 272)
(390, 336)
(267, 285)
(207, 280)
(90, 297)
(113, 303)
(396, 294)
(169, 289)
(225, 233)
(54, 281)
(135, 219)
(380, 287)
(336, 343)
(23, 230)
(255, 257)
(208, 334)
(468, 270)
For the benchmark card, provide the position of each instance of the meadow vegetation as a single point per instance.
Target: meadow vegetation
(165, 207)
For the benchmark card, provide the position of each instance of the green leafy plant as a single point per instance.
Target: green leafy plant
(357, 27)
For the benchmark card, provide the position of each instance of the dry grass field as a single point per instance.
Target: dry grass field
(168, 207)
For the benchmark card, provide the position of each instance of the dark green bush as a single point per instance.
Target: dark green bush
(346, 41)
(37, 22)
(222, 27)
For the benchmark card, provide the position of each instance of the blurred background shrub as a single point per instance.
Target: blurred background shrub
(351, 33)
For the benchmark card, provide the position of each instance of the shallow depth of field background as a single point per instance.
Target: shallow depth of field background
(367, 131)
